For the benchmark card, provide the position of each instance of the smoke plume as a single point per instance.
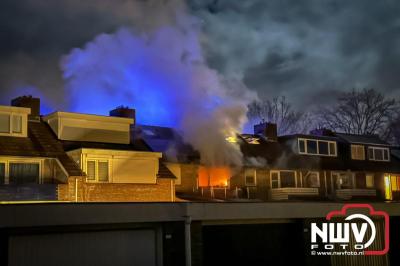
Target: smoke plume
(161, 71)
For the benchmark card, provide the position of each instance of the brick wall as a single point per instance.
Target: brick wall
(189, 174)
(113, 192)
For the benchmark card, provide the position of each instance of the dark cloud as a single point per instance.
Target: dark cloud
(305, 50)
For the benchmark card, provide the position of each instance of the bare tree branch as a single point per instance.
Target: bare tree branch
(280, 111)
(363, 111)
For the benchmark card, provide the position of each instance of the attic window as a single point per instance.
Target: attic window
(4, 123)
(378, 154)
(17, 124)
(10, 124)
(357, 152)
(317, 147)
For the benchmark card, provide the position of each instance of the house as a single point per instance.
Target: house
(77, 157)
(32, 161)
(322, 165)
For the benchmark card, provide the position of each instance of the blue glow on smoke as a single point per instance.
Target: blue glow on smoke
(125, 69)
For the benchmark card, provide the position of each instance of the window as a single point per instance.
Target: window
(4, 123)
(288, 179)
(10, 124)
(312, 146)
(282, 179)
(386, 155)
(323, 148)
(395, 182)
(97, 170)
(250, 177)
(17, 124)
(312, 179)
(369, 180)
(378, 154)
(2, 173)
(103, 171)
(343, 180)
(91, 170)
(302, 146)
(357, 152)
(332, 148)
(317, 147)
(21, 173)
(274, 179)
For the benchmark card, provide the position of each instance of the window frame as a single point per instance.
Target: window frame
(357, 146)
(96, 170)
(11, 121)
(350, 175)
(255, 177)
(311, 172)
(272, 181)
(38, 163)
(2, 133)
(383, 149)
(279, 178)
(9, 160)
(366, 180)
(329, 142)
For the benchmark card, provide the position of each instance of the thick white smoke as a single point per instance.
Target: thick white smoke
(161, 71)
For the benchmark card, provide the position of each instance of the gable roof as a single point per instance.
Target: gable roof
(41, 142)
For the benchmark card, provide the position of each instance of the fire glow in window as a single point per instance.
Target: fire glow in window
(213, 176)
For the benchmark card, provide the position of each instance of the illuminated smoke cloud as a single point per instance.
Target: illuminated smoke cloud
(162, 73)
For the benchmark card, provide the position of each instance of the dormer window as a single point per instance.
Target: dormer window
(13, 121)
(4, 123)
(357, 152)
(317, 147)
(10, 124)
(378, 154)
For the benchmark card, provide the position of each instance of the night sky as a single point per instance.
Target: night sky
(305, 50)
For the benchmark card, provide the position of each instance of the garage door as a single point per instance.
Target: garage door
(128, 247)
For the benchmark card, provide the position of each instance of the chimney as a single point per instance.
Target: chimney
(269, 130)
(122, 111)
(28, 102)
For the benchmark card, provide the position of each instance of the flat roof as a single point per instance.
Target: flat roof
(58, 214)
(103, 118)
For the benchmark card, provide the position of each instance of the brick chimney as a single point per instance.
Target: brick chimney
(124, 111)
(28, 102)
(269, 130)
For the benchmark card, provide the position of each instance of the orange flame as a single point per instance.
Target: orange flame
(213, 176)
